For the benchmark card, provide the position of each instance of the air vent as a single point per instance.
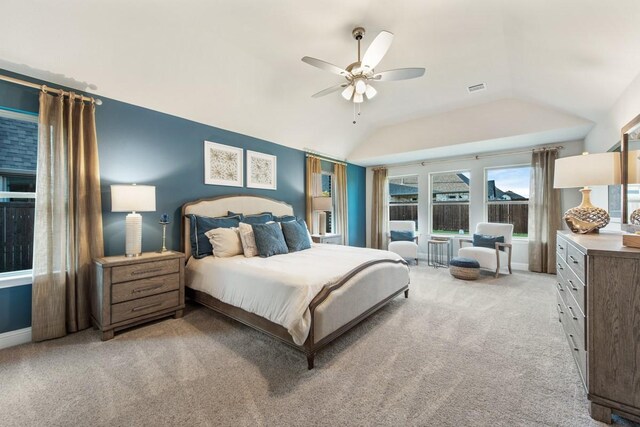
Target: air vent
(477, 88)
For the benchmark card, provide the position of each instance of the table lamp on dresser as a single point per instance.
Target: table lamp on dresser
(133, 198)
(584, 171)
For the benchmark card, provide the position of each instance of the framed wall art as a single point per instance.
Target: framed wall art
(223, 164)
(261, 170)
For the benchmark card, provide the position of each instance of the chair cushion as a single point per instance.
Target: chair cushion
(404, 248)
(296, 236)
(464, 262)
(199, 225)
(402, 236)
(485, 256)
(269, 239)
(486, 241)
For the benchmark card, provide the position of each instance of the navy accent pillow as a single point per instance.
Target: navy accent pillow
(402, 236)
(269, 240)
(485, 241)
(261, 218)
(284, 218)
(296, 236)
(200, 245)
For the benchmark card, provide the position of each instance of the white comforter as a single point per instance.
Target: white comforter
(279, 288)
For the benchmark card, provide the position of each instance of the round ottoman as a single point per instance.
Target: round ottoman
(464, 268)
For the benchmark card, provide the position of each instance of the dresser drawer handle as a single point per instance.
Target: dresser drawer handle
(573, 260)
(561, 247)
(150, 270)
(573, 287)
(560, 310)
(148, 288)
(144, 307)
(572, 313)
(560, 267)
(559, 285)
(573, 341)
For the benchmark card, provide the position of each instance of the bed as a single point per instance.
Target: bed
(305, 299)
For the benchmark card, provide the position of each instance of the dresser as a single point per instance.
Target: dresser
(598, 304)
(130, 291)
(332, 239)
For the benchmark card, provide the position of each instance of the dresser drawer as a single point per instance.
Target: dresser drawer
(560, 307)
(576, 288)
(127, 273)
(562, 291)
(561, 248)
(577, 261)
(577, 320)
(140, 307)
(579, 355)
(561, 264)
(126, 291)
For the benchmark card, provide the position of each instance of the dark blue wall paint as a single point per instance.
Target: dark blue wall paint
(15, 308)
(356, 192)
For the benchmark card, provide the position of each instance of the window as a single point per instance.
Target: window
(18, 150)
(450, 202)
(508, 197)
(327, 191)
(403, 198)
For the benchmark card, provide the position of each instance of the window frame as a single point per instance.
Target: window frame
(417, 203)
(486, 191)
(431, 203)
(9, 279)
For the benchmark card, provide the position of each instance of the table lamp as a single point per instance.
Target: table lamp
(322, 204)
(133, 198)
(584, 171)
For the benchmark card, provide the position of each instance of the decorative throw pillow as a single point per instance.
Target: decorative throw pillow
(295, 234)
(269, 239)
(402, 236)
(284, 218)
(261, 218)
(225, 242)
(248, 240)
(199, 225)
(486, 241)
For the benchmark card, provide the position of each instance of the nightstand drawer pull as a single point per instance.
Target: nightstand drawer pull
(144, 307)
(147, 288)
(151, 270)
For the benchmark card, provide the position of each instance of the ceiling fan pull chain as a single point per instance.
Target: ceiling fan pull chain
(359, 108)
(354, 113)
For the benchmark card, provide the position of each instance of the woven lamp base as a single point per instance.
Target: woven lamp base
(586, 218)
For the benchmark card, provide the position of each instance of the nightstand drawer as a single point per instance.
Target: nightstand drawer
(126, 291)
(127, 273)
(140, 307)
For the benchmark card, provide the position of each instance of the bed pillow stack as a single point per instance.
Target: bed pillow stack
(199, 225)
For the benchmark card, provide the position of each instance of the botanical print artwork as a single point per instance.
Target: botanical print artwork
(223, 164)
(261, 170)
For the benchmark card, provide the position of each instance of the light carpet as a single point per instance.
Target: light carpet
(489, 352)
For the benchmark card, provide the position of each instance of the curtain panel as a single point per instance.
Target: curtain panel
(313, 172)
(68, 217)
(341, 213)
(379, 211)
(544, 212)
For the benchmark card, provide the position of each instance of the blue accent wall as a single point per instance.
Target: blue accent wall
(138, 145)
(15, 308)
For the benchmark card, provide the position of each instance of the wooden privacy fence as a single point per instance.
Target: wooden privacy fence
(16, 236)
(455, 216)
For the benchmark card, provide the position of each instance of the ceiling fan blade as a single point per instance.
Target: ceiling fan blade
(329, 90)
(323, 65)
(377, 49)
(399, 74)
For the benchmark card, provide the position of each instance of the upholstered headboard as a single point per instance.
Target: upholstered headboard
(219, 206)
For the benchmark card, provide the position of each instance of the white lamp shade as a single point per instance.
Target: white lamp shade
(587, 170)
(133, 198)
(347, 93)
(633, 167)
(322, 203)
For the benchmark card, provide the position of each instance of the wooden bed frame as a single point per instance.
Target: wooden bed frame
(310, 346)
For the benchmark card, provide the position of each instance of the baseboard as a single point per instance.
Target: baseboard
(520, 266)
(17, 337)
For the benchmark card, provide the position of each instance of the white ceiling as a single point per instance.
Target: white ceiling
(236, 64)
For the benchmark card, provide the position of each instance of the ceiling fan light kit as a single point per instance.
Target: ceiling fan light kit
(361, 73)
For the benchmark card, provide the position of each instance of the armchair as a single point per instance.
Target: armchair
(407, 249)
(490, 258)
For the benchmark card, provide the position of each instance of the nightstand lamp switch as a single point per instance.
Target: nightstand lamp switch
(133, 198)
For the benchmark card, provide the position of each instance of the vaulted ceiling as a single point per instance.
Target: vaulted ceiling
(236, 65)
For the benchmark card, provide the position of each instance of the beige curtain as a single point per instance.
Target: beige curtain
(68, 217)
(313, 172)
(379, 212)
(544, 212)
(341, 215)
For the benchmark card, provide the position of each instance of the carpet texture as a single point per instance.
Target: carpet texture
(456, 353)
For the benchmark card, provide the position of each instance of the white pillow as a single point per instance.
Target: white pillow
(248, 240)
(225, 242)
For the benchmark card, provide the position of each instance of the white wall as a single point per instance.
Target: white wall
(477, 211)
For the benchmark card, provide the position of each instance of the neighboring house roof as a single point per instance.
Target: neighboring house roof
(18, 144)
(402, 190)
(450, 183)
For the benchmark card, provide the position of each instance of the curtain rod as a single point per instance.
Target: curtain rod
(46, 88)
(476, 157)
(324, 157)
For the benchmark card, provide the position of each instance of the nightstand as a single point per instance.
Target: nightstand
(130, 291)
(332, 239)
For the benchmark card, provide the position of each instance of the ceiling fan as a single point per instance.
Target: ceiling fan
(360, 74)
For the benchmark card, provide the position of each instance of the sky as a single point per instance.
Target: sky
(515, 179)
